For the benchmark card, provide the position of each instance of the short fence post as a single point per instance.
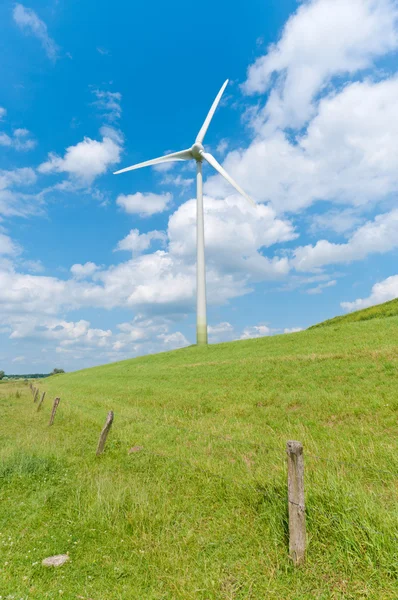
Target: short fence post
(36, 394)
(104, 433)
(54, 410)
(295, 483)
(41, 401)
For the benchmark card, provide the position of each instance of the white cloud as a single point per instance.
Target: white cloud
(172, 341)
(109, 104)
(377, 236)
(256, 332)
(3, 112)
(7, 246)
(65, 334)
(19, 359)
(144, 204)
(137, 242)
(27, 19)
(33, 266)
(381, 292)
(222, 332)
(322, 286)
(324, 38)
(344, 157)
(5, 140)
(84, 271)
(178, 181)
(17, 177)
(14, 202)
(292, 329)
(19, 140)
(227, 222)
(222, 147)
(164, 281)
(339, 221)
(87, 160)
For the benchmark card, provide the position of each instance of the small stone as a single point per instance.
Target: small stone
(55, 561)
(135, 449)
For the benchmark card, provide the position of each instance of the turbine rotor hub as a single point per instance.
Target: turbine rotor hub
(197, 150)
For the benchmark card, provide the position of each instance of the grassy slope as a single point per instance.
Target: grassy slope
(177, 520)
(379, 311)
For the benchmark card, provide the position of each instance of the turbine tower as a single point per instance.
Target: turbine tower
(197, 153)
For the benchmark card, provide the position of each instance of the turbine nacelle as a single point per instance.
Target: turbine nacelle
(197, 151)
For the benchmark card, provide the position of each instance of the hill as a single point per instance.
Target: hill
(197, 509)
(379, 311)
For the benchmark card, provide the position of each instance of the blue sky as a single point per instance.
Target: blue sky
(97, 268)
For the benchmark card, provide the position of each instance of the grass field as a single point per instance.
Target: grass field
(200, 511)
(379, 311)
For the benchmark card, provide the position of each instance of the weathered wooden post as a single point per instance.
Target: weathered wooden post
(104, 433)
(41, 401)
(54, 410)
(295, 485)
(36, 395)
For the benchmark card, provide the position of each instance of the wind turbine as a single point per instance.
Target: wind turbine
(197, 152)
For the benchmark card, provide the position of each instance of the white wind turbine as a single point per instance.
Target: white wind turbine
(197, 152)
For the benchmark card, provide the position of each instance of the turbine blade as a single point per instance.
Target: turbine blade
(212, 161)
(181, 155)
(211, 112)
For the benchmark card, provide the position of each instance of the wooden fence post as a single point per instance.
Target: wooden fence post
(54, 410)
(36, 394)
(41, 401)
(295, 484)
(104, 433)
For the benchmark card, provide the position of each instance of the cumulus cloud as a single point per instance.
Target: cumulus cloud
(227, 222)
(137, 242)
(19, 140)
(343, 157)
(324, 38)
(377, 236)
(17, 177)
(109, 104)
(84, 271)
(257, 331)
(87, 160)
(14, 201)
(28, 21)
(164, 281)
(381, 292)
(222, 332)
(7, 246)
(144, 204)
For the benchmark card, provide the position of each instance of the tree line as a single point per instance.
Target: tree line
(31, 375)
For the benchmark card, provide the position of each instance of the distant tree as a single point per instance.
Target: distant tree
(2, 374)
(56, 371)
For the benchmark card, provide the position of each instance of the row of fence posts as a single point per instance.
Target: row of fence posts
(295, 481)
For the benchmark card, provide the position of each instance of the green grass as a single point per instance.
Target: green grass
(379, 311)
(200, 512)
